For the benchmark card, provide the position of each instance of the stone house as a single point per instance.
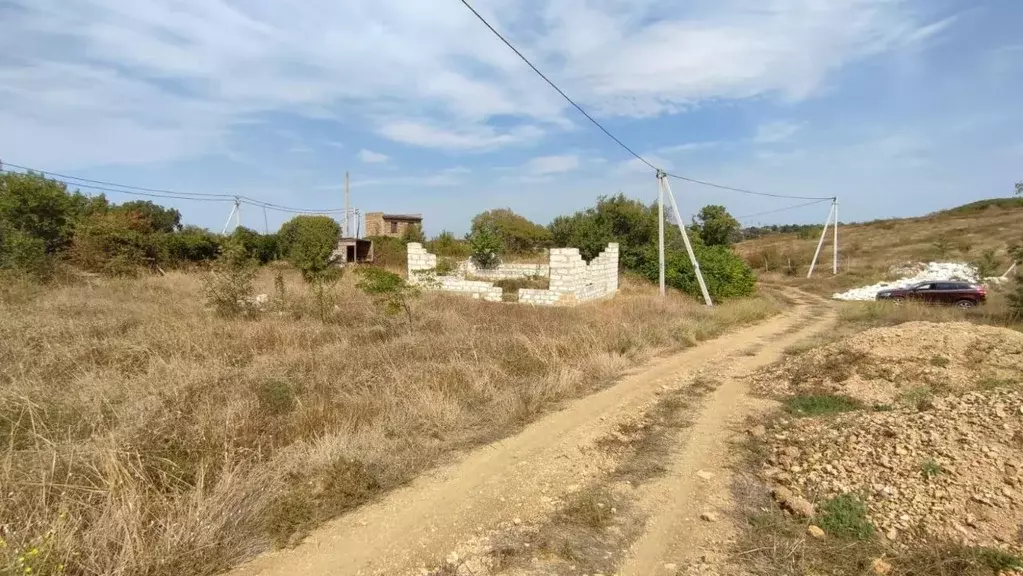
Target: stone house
(394, 225)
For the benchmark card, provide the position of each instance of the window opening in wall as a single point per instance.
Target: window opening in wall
(394, 227)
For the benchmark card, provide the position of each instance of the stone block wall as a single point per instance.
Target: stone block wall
(509, 271)
(572, 279)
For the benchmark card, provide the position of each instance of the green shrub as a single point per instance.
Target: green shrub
(192, 244)
(228, 285)
(445, 244)
(43, 209)
(413, 234)
(486, 247)
(389, 252)
(516, 233)
(263, 248)
(446, 266)
(390, 292)
(20, 252)
(117, 243)
(725, 273)
(845, 516)
(156, 217)
(309, 243)
(987, 265)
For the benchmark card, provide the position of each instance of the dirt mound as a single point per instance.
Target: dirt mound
(880, 365)
(953, 471)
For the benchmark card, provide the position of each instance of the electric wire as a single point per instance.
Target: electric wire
(612, 136)
(775, 211)
(130, 190)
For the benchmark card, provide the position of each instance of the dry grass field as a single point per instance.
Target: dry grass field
(868, 250)
(142, 434)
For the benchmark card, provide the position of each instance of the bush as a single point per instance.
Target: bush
(192, 244)
(390, 291)
(228, 284)
(156, 217)
(517, 234)
(445, 244)
(845, 517)
(413, 234)
(23, 253)
(309, 243)
(117, 243)
(725, 273)
(389, 252)
(485, 244)
(263, 248)
(43, 209)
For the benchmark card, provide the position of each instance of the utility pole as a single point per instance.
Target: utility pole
(346, 229)
(685, 240)
(266, 222)
(238, 213)
(824, 234)
(834, 265)
(660, 230)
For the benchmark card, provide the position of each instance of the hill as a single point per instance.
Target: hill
(975, 232)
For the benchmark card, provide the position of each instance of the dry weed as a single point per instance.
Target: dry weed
(145, 435)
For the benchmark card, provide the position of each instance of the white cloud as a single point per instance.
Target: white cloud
(548, 165)
(778, 131)
(636, 165)
(371, 157)
(156, 80)
(477, 137)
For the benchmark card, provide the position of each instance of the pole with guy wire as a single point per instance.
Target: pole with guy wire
(660, 231)
(685, 239)
(832, 214)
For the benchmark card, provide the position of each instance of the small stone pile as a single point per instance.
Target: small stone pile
(879, 365)
(953, 470)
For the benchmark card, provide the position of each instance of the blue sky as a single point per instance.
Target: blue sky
(899, 107)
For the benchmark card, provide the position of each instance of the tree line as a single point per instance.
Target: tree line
(43, 226)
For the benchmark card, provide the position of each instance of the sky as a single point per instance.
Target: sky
(897, 107)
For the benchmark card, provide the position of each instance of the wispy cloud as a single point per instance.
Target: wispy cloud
(371, 157)
(478, 137)
(777, 131)
(548, 165)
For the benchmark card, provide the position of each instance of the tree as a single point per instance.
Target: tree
(485, 247)
(117, 243)
(716, 226)
(160, 219)
(309, 243)
(261, 247)
(42, 208)
(1019, 188)
(389, 291)
(517, 233)
(228, 283)
(445, 244)
(413, 234)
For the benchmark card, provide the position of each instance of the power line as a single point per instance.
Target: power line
(555, 86)
(608, 133)
(745, 191)
(748, 216)
(130, 190)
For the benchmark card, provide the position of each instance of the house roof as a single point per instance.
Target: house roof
(408, 217)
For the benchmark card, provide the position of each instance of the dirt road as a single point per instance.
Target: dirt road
(521, 480)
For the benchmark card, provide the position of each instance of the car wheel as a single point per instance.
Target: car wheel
(965, 304)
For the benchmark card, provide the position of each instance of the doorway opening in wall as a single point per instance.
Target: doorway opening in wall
(350, 254)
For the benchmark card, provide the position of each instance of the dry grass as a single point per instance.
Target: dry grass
(869, 250)
(143, 435)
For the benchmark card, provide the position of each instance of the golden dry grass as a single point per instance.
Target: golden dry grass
(867, 251)
(141, 434)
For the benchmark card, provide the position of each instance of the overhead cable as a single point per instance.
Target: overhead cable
(748, 216)
(607, 132)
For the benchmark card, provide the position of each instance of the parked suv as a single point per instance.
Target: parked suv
(961, 294)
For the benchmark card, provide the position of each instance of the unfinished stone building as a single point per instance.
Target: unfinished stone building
(394, 225)
(572, 279)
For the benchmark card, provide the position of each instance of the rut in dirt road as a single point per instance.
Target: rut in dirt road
(524, 478)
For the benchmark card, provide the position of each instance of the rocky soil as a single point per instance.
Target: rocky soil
(884, 365)
(952, 471)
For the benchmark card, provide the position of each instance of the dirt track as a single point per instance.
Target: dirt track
(518, 479)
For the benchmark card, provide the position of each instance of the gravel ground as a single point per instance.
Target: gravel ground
(884, 365)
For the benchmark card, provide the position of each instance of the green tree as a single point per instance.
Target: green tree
(117, 243)
(192, 244)
(389, 291)
(228, 284)
(261, 247)
(716, 226)
(309, 243)
(445, 244)
(159, 219)
(725, 273)
(413, 234)
(42, 208)
(517, 233)
(630, 223)
(485, 247)
(24, 254)
(1019, 188)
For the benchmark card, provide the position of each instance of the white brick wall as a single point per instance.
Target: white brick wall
(572, 280)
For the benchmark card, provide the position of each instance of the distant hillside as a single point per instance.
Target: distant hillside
(868, 250)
